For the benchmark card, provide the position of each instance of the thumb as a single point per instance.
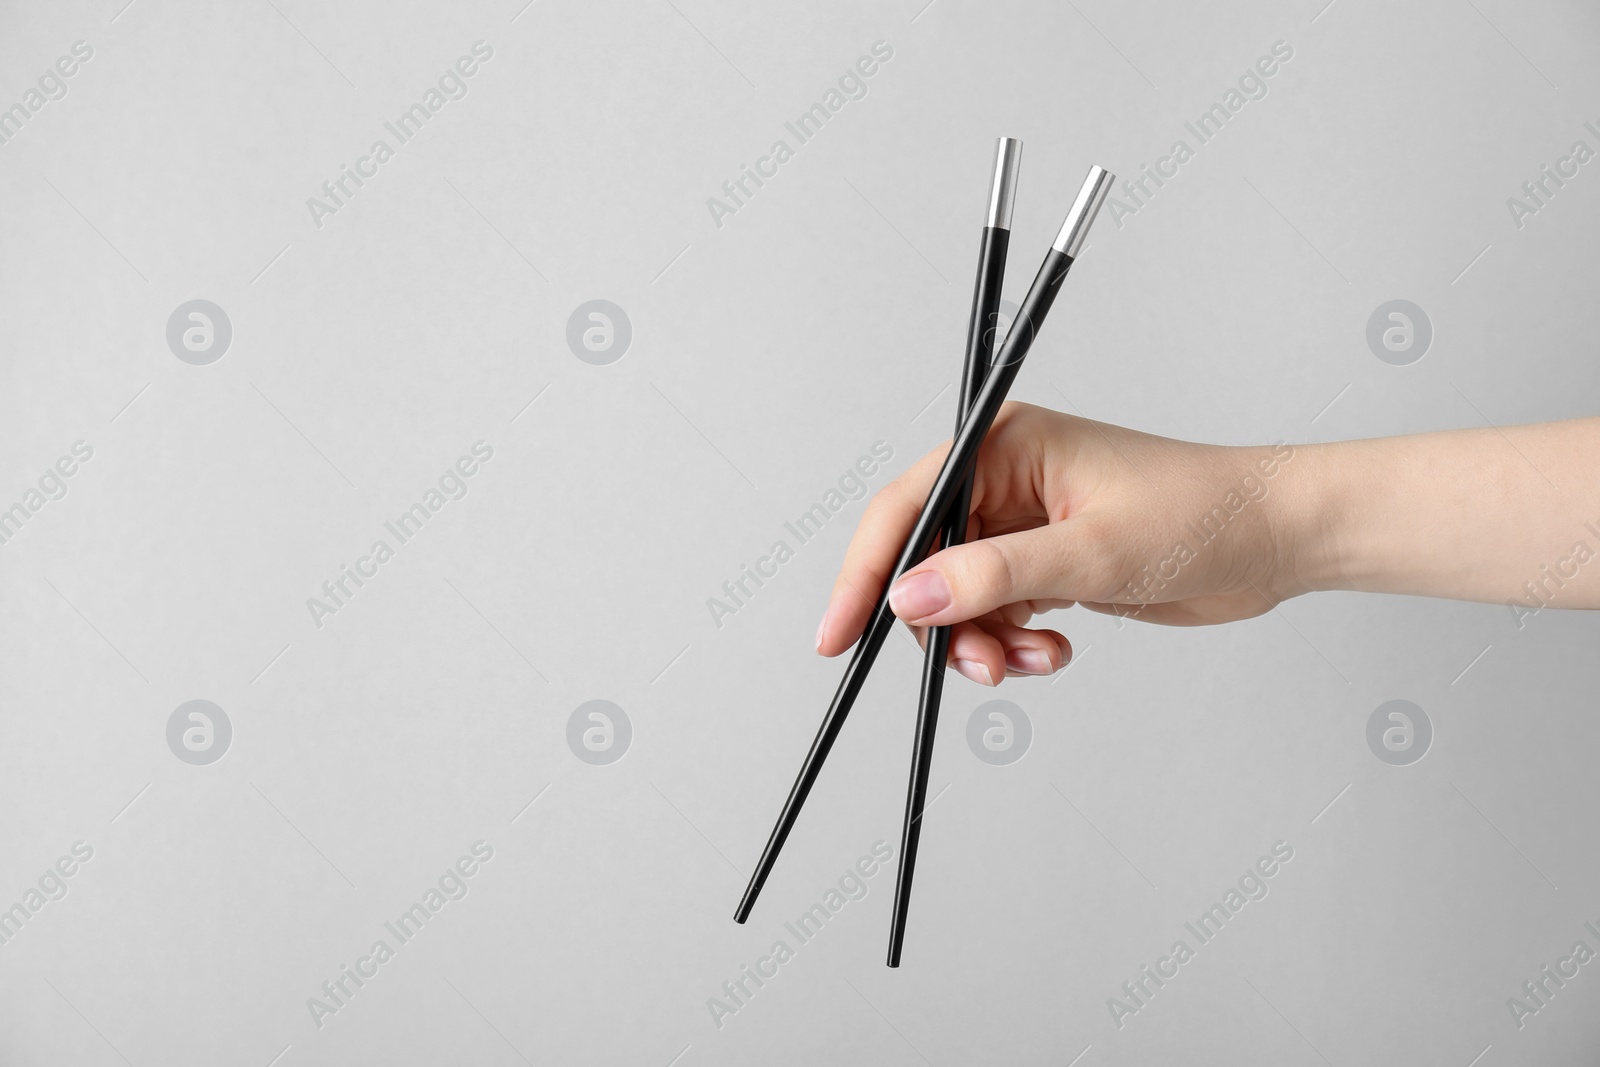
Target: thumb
(1069, 560)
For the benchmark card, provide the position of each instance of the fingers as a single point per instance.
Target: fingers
(977, 654)
(871, 557)
(990, 649)
(1064, 561)
(1031, 652)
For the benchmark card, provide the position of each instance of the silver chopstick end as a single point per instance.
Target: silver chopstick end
(1084, 209)
(1003, 190)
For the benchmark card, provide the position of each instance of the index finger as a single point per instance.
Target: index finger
(870, 559)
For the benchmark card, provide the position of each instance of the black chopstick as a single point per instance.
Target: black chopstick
(981, 328)
(957, 465)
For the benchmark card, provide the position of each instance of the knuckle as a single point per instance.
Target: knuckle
(884, 501)
(1014, 409)
(991, 577)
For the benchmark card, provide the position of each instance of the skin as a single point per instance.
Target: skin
(1068, 511)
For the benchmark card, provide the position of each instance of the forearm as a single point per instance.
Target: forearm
(1494, 515)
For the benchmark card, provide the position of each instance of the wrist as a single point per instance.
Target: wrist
(1317, 538)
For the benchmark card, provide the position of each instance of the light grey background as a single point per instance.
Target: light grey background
(767, 355)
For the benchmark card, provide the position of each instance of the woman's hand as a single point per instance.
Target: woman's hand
(1068, 511)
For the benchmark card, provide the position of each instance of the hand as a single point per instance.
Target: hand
(1068, 511)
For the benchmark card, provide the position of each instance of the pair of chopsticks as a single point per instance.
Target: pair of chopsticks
(983, 390)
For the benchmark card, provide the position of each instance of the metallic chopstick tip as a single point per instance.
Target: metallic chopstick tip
(1092, 194)
(1003, 190)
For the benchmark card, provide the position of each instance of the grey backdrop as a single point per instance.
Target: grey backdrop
(369, 748)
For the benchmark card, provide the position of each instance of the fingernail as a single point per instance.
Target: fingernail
(1029, 661)
(916, 596)
(821, 629)
(977, 672)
